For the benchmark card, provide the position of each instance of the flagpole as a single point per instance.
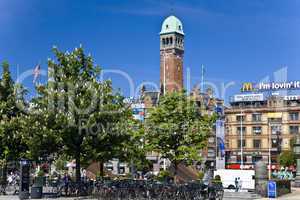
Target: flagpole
(18, 71)
(202, 78)
(36, 73)
(38, 78)
(164, 72)
(241, 132)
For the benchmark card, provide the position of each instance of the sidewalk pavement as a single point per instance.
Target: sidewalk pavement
(295, 195)
(8, 197)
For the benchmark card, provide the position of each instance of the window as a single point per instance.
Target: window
(294, 116)
(294, 103)
(292, 142)
(256, 158)
(163, 41)
(239, 143)
(256, 117)
(276, 143)
(274, 159)
(179, 27)
(257, 144)
(276, 130)
(171, 40)
(240, 118)
(167, 41)
(239, 129)
(294, 129)
(238, 159)
(167, 26)
(257, 130)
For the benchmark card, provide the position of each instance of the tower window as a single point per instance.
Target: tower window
(171, 40)
(163, 41)
(179, 27)
(167, 26)
(167, 41)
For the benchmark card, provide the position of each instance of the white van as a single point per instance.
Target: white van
(228, 178)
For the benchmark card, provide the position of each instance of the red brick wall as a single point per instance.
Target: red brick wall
(173, 63)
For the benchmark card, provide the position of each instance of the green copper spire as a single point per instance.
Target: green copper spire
(172, 24)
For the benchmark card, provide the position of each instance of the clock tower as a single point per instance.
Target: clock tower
(171, 55)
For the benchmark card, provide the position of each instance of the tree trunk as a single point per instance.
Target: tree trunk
(101, 168)
(77, 159)
(132, 169)
(4, 173)
(175, 172)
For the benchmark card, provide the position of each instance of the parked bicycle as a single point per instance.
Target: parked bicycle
(150, 190)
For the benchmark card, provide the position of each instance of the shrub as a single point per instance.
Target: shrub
(164, 176)
(200, 175)
(40, 173)
(283, 186)
(217, 178)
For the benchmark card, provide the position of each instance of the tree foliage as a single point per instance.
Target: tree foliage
(78, 111)
(177, 130)
(11, 97)
(287, 158)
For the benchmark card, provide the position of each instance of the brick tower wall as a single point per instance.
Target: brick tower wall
(172, 61)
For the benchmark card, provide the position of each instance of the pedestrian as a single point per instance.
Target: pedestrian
(240, 184)
(66, 183)
(236, 183)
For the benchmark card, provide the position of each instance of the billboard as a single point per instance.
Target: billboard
(248, 97)
(291, 97)
(138, 111)
(220, 151)
(288, 85)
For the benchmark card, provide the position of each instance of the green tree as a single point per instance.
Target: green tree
(41, 141)
(11, 142)
(11, 112)
(177, 130)
(287, 158)
(79, 108)
(134, 151)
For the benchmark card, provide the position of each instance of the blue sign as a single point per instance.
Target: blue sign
(272, 189)
(219, 110)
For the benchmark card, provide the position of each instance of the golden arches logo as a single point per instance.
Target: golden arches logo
(247, 87)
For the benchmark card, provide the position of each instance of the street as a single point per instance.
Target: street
(8, 197)
(232, 195)
(229, 195)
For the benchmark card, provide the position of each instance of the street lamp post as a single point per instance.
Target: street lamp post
(241, 132)
(270, 146)
(296, 149)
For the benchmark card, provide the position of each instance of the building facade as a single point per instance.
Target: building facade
(171, 55)
(214, 153)
(259, 128)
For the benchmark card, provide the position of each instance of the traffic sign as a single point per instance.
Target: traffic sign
(272, 193)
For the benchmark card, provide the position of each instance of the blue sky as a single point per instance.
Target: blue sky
(236, 40)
